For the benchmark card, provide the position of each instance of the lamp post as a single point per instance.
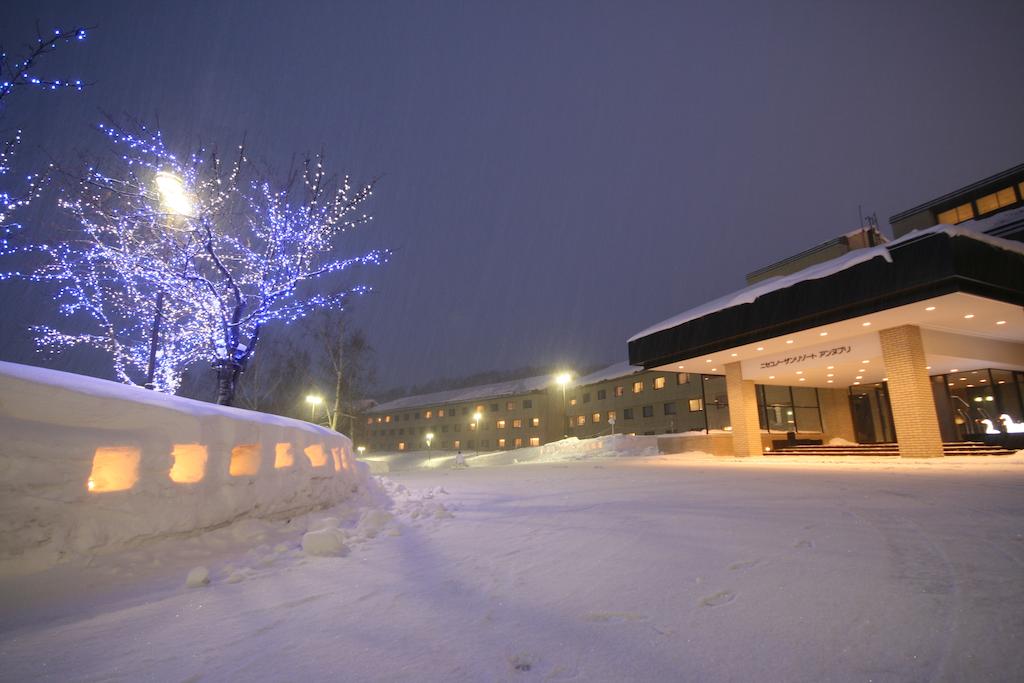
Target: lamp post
(429, 437)
(175, 200)
(476, 419)
(313, 400)
(361, 449)
(563, 378)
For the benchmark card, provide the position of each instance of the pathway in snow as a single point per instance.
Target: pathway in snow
(642, 569)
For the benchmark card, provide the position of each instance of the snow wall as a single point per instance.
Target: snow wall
(88, 465)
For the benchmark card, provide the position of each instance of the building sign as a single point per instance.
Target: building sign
(818, 355)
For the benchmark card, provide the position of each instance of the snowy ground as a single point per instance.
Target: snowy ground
(656, 568)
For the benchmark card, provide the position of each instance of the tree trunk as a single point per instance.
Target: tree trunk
(336, 413)
(227, 377)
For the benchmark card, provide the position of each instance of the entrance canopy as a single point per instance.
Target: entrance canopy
(964, 290)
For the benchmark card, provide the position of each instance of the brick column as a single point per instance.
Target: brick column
(910, 393)
(746, 428)
(837, 421)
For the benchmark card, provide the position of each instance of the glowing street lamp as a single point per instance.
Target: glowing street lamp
(361, 449)
(313, 400)
(175, 200)
(563, 378)
(429, 437)
(173, 196)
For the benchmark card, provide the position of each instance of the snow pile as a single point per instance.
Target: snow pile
(613, 446)
(88, 466)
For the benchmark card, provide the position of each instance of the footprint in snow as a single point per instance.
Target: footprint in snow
(719, 598)
(744, 565)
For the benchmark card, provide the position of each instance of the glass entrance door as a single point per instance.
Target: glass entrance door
(872, 416)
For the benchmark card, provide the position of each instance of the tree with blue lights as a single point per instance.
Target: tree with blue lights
(17, 75)
(182, 260)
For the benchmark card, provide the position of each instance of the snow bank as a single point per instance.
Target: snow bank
(613, 446)
(88, 465)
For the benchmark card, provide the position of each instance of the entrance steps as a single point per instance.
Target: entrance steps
(890, 449)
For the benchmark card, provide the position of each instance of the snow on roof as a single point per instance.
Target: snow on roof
(620, 369)
(481, 392)
(748, 295)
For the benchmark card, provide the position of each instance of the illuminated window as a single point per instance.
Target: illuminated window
(638, 386)
(440, 412)
(428, 414)
(518, 443)
(479, 409)
(682, 378)
(501, 443)
(595, 418)
(387, 418)
(534, 440)
(510, 405)
(500, 424)
(581, 420)
(696, 405)
(611, 414)
(572, 401)
(114, 469)
(189, 463)
(997, 200)
(659, 382)
(283, 456)
(457, 443)
(535, 422)
(369, 420)
(670, 408)
(245, 460)
(648, 411)
(316, 455)
(964, 212)
(619, 391)
(401, 445)
(517, 423)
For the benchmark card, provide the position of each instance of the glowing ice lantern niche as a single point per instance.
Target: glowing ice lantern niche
(245, 460)
(114, 469)
(189, 463)
(283, 456)
(336, 454)
(316, 455)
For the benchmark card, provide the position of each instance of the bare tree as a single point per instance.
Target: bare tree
(350, 362)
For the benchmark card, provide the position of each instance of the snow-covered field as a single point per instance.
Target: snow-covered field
(653, 568)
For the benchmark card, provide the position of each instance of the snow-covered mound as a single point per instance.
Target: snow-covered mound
(88, 465)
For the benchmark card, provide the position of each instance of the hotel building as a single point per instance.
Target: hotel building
(916, 344)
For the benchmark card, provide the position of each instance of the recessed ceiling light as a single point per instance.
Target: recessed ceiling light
(831, 374)
(955, 370)
(823, 334)
(885, 379)
(865, 324)
(708, 360)
(970, 386)
(760, 348)
(865, 361)
(789, 341)
(803, 379)
(951, 383)
(734, 354)
(968, 316)
(681, 367)
(984, 380)
(930, 308)
(963, 379)
(859, 377)
(830, 381)
(927, 367)
(714, 369)
(1002, 381)
(856, 382)
(799, 372)
(771, 376)
(831, 367)
(1000, 322)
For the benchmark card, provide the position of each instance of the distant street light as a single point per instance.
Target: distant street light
(563, 378)
(313, 400)
(429, 437)
(361, 449)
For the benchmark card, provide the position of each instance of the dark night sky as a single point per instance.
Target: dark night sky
(557, 175)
